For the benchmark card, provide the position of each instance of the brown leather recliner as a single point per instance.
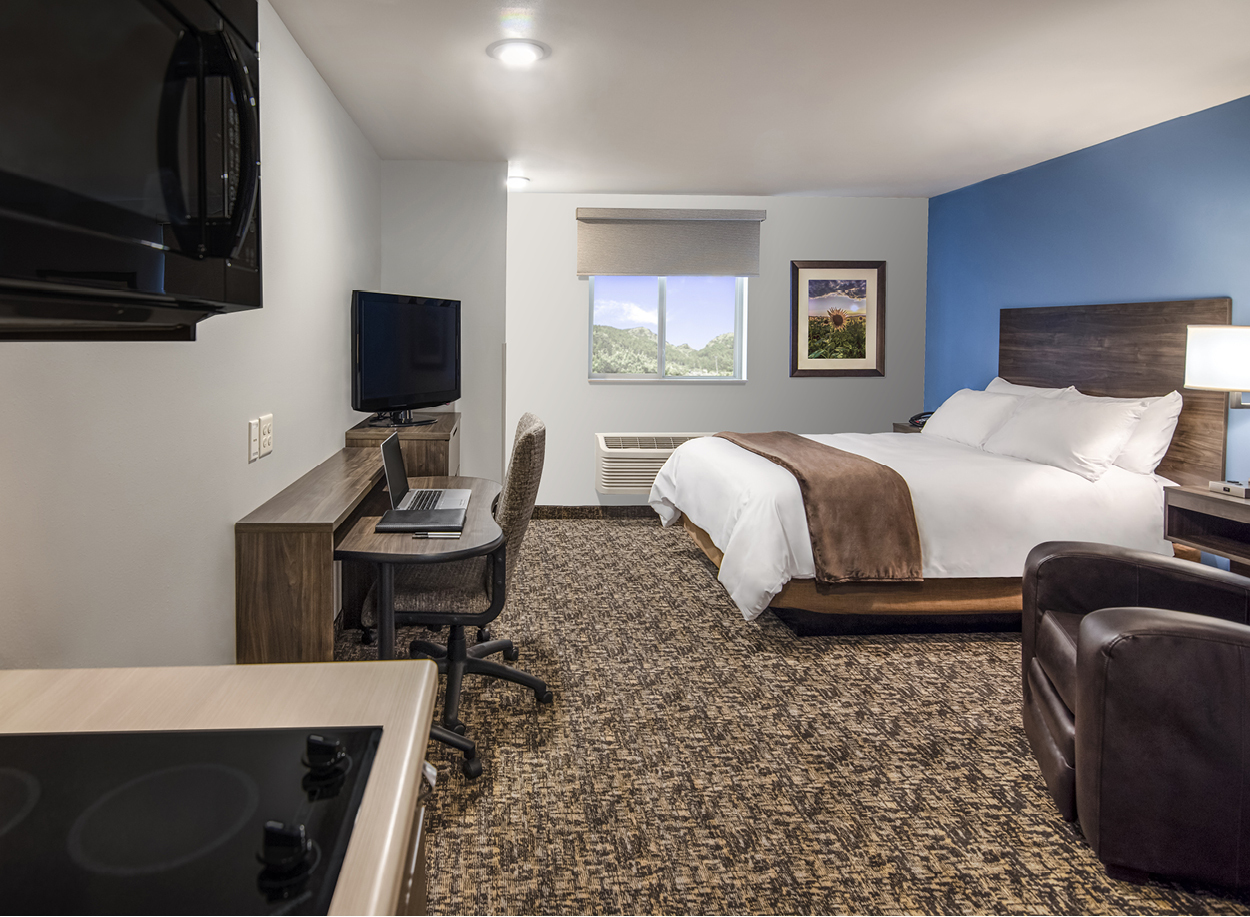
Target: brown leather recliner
(1136, 675)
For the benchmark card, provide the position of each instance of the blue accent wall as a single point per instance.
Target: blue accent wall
(1162, 213)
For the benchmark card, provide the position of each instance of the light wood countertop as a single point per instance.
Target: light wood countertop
(397, 695)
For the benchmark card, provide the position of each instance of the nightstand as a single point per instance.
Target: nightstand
(905, 427)
(1215, 523)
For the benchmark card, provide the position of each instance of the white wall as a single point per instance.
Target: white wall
(124, 465)
(548, 328)
(444, 227)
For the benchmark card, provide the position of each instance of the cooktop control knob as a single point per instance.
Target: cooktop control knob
(286, 847)
(323, 755)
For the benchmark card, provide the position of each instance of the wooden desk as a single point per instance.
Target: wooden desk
(360, 542)
(431, 449)
(284, 561)
(377, 876)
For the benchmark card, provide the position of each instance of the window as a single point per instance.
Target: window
(667, 327)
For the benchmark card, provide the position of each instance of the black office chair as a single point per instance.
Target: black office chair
(453, 594)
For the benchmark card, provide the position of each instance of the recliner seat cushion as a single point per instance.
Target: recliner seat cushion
(1056, 652)
(1053, 714)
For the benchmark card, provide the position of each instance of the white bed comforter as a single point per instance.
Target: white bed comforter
(978, 514)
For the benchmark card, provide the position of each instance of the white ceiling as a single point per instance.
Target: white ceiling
(856, 97)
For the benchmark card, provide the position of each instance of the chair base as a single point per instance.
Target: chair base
(458, 659)
(472, 766)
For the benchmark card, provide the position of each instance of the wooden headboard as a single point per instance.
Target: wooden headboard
(1125, 350)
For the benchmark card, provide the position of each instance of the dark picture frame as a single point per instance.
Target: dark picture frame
(831, 344)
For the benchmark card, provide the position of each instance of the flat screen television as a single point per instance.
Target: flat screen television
(405, 355)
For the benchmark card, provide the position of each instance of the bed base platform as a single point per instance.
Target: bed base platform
(890, 607)
(804, 623)
(964, 605)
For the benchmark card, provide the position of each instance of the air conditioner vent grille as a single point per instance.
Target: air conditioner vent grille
(627, 463)
(647, 442)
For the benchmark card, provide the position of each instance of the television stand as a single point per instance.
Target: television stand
(402, 419)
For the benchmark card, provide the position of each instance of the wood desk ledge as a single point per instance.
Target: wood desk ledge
(396, 695)
(322, 499)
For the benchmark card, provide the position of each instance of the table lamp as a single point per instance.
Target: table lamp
(1217, 359)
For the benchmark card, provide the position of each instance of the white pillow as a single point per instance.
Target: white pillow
(1081, 435)
(1002, 386)
(1153, 434)
(969, 417)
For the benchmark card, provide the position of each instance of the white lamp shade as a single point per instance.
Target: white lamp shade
(1217, 358)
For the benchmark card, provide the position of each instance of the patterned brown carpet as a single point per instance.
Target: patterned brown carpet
(694, 763)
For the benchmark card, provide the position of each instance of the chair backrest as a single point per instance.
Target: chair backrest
(520, 486)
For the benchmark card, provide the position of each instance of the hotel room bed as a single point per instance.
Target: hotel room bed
(978, 514)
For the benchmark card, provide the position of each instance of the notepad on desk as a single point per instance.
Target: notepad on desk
(432, 513)
(422, 521)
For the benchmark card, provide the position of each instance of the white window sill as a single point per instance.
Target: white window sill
(678, 380)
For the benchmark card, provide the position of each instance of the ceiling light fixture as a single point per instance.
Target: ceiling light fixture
(518, 52)
(517, 183)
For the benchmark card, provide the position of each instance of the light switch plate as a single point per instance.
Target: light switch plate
(266, 434)
(253, 440)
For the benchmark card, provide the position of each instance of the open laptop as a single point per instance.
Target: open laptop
(440, 510)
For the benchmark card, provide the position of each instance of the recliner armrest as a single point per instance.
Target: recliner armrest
(1079, 577)
(1161, 723)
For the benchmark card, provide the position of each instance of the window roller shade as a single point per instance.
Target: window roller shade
(668, 242)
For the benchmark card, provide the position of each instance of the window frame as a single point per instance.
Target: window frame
(740, 339)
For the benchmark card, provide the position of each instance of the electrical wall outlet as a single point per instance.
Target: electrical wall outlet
(266, 434)
(253, 440)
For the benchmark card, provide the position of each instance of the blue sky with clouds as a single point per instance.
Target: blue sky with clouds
(698, 308)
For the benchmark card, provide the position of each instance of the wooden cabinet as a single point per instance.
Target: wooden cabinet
(429, 451)
(1211, 522)
(284, 561)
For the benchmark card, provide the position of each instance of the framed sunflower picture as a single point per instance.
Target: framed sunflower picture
(837, 318)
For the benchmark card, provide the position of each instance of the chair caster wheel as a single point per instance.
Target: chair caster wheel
(546, 697)
(512, 655)
(472, 768)
(368, 636)
(457, 727)
(484, 635)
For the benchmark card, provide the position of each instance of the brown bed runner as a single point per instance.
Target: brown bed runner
(859, 512)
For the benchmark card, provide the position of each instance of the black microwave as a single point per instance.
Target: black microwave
(129, 167)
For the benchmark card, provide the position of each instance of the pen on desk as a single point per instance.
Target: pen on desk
(435, 534)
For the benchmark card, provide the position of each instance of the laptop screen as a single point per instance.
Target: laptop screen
(393, 463)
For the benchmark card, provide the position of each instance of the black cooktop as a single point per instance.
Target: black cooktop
(249, 821)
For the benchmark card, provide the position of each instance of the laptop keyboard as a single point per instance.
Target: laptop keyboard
(425, 499)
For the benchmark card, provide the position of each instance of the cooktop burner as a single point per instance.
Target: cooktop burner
(249, 821)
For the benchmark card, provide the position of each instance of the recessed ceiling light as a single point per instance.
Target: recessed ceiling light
(518, 52)
(517, 183)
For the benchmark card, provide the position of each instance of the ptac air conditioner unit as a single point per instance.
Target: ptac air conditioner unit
(627, 463)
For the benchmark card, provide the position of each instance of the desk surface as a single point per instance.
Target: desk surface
(398, 696)
(480, 536)
(321, 500)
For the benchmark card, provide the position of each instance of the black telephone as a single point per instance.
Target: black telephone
(918, 420)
